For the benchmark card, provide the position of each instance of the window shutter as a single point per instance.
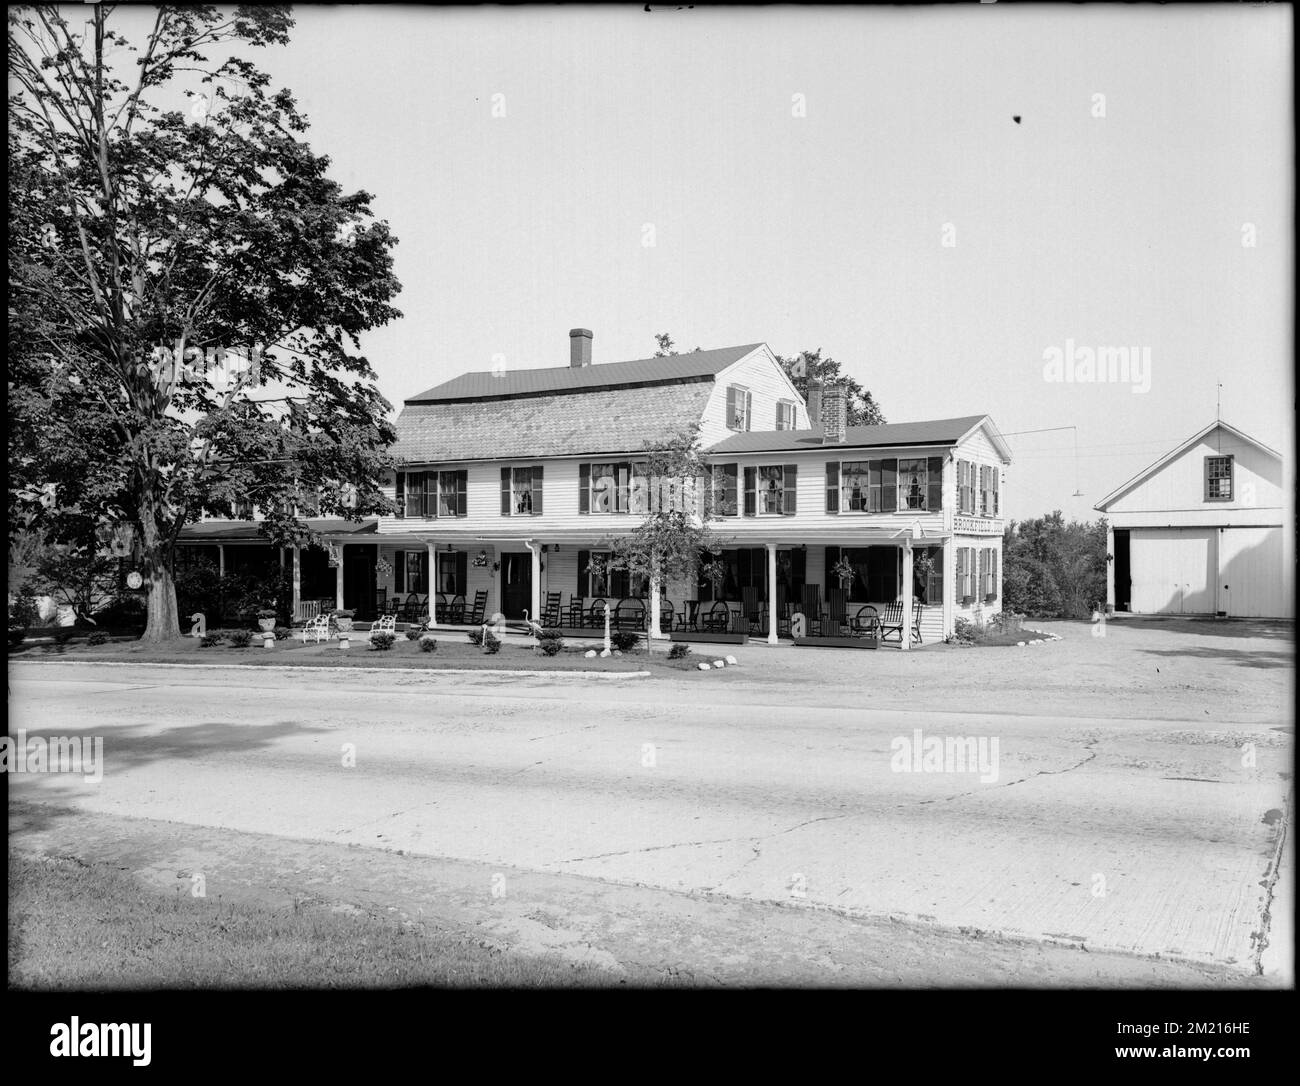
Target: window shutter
(414, 493)
(832, 486)
(798, 570)
(505, 492)
(828, 576)
(431, 479)
(780, 416)
(934, 588)
(889, 486)
(584, 488)
(790, 472)
(993, 571)
(462, 564)
(731, 407)
(462, 493)
(749, 410)
(584, 576)
(537, 491)
(400, 496)
(934, 497)
(399, 571)
(751, 492)
(995, 485)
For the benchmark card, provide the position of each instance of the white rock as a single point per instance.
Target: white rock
(1020, 644)
(618, 652)
(703, 666)
(731, 660)
(590, 654)
(604, 652)
(719, 663)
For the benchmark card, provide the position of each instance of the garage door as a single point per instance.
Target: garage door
(1255, 578)
(1172, 570)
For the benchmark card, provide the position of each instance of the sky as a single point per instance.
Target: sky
(845, 179)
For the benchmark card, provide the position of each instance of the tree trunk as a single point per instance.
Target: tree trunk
(163, 623)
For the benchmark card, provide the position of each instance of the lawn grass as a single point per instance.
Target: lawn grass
(77, 926)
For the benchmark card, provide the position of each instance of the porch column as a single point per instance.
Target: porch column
(535, 600)
(1110, 571)
(907, 594)
(338, 580)
(432, 563)
(297, 582)
(771, 593)
(655, 631)
(221, 560)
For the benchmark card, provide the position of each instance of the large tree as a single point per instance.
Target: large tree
(187, 288)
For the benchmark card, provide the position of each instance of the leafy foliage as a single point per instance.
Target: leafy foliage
(1051, 569)
(382, 641)
(624, 640)
(98, 637)
(239, 639)
(679, 650)
(187, 292)
(428, 643)
(809, 366)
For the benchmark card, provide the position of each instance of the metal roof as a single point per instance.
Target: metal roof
(934, 432)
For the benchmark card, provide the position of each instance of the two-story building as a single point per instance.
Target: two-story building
(510, 482)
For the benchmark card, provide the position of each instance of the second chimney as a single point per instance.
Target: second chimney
(835, 424)
(579, 347)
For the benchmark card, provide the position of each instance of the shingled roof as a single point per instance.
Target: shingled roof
(512, 384)
(621, 419)
(934, 432)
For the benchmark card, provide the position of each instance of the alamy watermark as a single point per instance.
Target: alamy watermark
(1100, 365)
(946, 754)
(56, 754)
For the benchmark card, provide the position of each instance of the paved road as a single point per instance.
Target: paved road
(1137, 836)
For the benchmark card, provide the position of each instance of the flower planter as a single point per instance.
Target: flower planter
(267, 625)
(344, 625)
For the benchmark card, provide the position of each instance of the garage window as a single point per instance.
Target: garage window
(1218, 478)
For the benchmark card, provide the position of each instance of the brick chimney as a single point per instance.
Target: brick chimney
(835, 413)
(814, 398)
(579, 347)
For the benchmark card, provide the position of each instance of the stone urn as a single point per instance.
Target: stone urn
(266, 625)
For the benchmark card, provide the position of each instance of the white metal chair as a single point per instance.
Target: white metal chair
(383, 624)
(317, 629)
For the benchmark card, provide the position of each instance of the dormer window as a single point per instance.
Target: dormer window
(740, 402)
(1218, 478)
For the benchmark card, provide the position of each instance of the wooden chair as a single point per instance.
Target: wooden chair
(866, 623)
(411, 608)
(456, 610)
(891, 622)
(440, 603)
(690, 616)
(837, 612)
(666, 614)
(475, 617)
(918, 609)
(577, 616)
(596, 614)
(551, 612)
(629, 614)
(749, 607)
(718, 620)
(812, 608)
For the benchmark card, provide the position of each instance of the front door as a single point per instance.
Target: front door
(516, 584)
(359, 579)
(1123, 576)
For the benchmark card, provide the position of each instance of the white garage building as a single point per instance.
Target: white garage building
(1206, 530)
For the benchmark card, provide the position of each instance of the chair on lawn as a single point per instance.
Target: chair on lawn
(383, 624)
(475, 617)
(317, 629)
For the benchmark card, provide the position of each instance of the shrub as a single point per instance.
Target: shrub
(282, 633)
(551, 645)
(679, 649)
(491, 643)
(382, 641)
(23, 612)
(99, 637)
(208, 641)
(63, 636)
(16, 634)
(239, 639)
(413, 633)
(624, 640)
(963, 633)
(428, 643)
(267, 612)
(475, 637)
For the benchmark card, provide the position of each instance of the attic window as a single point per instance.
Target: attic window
(1218, 478)
(785, 415)
(739, 404)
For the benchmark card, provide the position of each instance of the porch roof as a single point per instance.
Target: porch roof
(889, 435)
(249, 531)
(782, 537)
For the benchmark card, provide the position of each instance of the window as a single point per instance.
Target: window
(521, 491)
(770, 490)
(988, 491)
(912, 483)
(613, 488)
(785, 414)
(410, 572)
(1218, 478)
(965, 573)
(966, 486)
(452, 576)
(988, 572)
(451, 493)
(739, 402)
(869, 486)
(597, 580)
(244, 509)
(725, 489)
